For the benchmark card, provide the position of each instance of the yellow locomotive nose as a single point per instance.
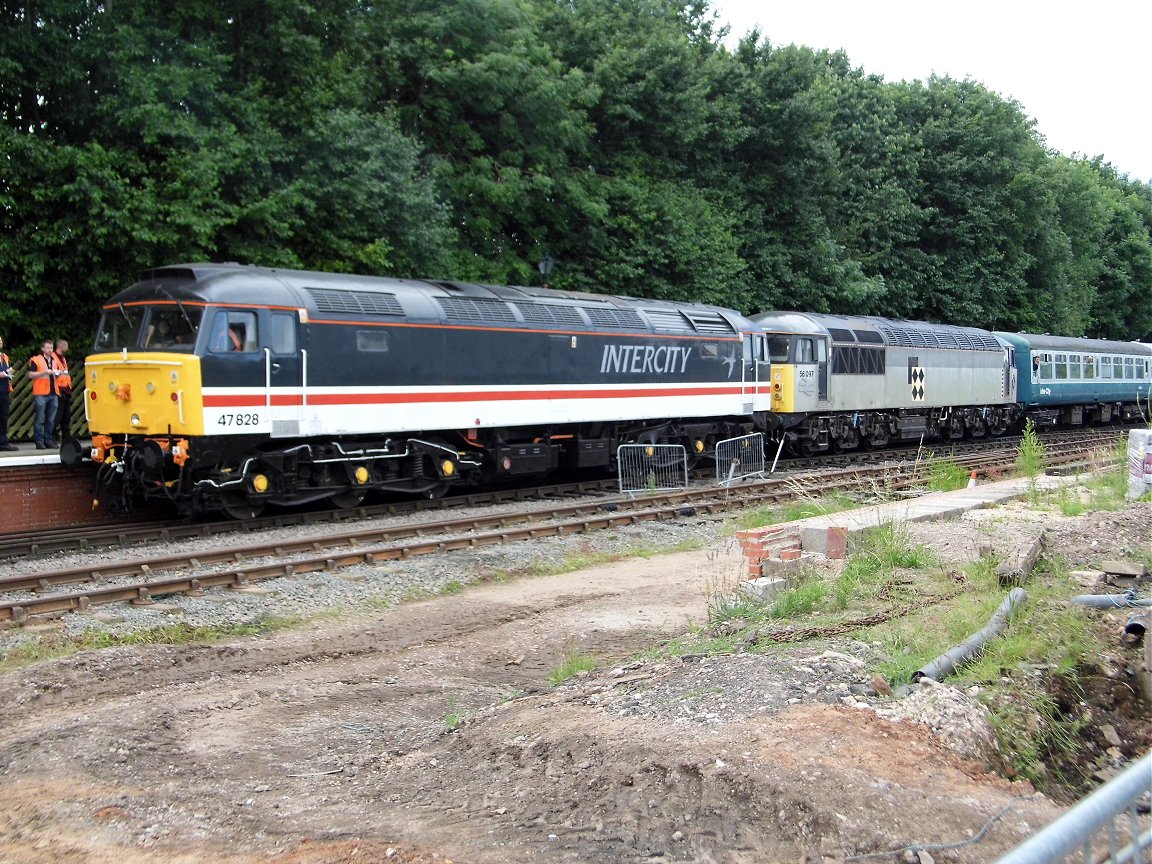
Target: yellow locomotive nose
(153, 393)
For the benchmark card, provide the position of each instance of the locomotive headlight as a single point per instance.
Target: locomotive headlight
(150, 387)
(111, 386)
(134, 419)
(447, 467)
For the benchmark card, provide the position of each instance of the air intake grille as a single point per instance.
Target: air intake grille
(709, 322)
(609, 317)
(355, 302)
(472, 309)
(668, 320)
(548, 315)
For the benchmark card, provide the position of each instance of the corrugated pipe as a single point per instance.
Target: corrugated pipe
(948, 662)
(1110, 601)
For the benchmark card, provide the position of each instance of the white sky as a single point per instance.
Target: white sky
(1082, 71)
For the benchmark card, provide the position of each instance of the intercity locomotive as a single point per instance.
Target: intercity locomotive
(221, 386)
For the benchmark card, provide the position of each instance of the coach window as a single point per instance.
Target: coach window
(1061, 367)
(1104, 367)
(1074, 366)
(1117, 367)
(1089, 367)
(1045, 367)
(1129, 368)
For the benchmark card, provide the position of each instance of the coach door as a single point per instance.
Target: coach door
(285, 370)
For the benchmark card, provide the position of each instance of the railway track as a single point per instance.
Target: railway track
(240, 567)
(138, 533)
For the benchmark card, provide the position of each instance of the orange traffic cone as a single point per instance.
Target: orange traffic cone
(972, 480)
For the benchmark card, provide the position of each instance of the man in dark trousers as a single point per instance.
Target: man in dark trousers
(5, 395)
(43, 372)
(63, 392)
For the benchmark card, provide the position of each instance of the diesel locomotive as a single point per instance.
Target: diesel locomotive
(221, 386)
(231, 387)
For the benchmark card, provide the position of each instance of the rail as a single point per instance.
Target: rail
(1095, 819)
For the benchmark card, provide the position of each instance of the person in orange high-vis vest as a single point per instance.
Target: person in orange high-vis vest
(43, 372)
(6, 374)
(63, 428)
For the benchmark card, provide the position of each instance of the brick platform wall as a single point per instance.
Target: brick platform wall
(48, 496)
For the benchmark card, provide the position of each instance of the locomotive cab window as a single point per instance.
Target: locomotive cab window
(283, 333)
(778, 349)
(118, 329)
(233, 331)
(805, 351)
(171, 329)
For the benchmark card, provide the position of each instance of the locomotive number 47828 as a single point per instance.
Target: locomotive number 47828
(238, 420)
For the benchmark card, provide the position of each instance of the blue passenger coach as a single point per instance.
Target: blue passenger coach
(1071, 381)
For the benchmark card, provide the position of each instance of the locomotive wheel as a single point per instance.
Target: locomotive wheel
(240, 508)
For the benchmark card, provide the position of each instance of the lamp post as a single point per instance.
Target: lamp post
(545, 267)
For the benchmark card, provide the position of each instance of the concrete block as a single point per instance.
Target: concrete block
(829, 541)
(778, 567)
(1125, 568)
(764, 587)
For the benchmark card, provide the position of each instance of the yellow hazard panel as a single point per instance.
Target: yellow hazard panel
(146, 394)
(783, 388)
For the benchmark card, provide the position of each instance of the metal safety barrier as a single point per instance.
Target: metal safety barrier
(1114, 816)
(652, 467)
(739, 458)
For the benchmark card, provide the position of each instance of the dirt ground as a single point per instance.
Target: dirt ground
(429, 732)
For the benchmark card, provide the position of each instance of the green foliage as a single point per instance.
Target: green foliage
(465, 139)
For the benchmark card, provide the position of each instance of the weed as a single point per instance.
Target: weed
(804, 508)
(872, 570)
(944, 475)
(455, 717)
(1030, 458)
(454, 586)
(574, 662)
(60, 645)
(1033, 734)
